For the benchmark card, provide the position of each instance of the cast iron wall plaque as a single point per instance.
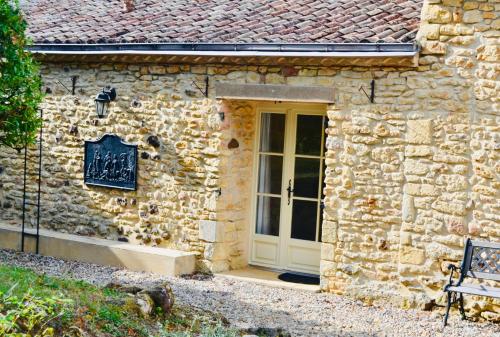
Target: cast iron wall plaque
(110, 162)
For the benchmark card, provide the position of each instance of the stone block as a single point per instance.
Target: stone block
(329, 234)
(426, 60)
(462, 40)
(217, 266)
(495, 24)
(472, 16)
(327, 268)
(456, 225)
(327, 251)
(450, 207)
(434, 47)
(449, 30)
(491, 316)
(489, 53)
(415, 167)
(419, 131)
(470, 5)
(157, 70)
(421, 190)
(411, 255)
(429, 31)
(437, 14)
(211, 231)
(455, 3)
(453, 182)
(408, 211)
(215, 251)
(385, 154)
(405, 238)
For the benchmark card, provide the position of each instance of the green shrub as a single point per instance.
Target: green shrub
(20, 81)
(30, 315)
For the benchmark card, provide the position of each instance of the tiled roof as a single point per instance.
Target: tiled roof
(223, 21)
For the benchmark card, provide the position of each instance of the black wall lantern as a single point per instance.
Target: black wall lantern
(102, 101)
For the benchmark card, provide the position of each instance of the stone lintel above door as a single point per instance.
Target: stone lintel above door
(273, 92)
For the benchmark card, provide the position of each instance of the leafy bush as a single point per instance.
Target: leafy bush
(20, 82)
(30, 315)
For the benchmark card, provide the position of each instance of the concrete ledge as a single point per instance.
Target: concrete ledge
(100, 251)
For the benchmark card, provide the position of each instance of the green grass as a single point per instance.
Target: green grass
(67, 307)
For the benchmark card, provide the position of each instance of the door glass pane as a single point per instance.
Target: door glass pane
(268, 215)
(270, 171)
(304, 220)
(309, 134)
(306, 180)
(272, 132)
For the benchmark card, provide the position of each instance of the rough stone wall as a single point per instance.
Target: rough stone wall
(411, 176)
(157, 108)
(364, 179)
(194, 186)
(229, 250)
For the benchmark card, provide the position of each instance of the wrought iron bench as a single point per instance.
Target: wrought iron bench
(481, 261)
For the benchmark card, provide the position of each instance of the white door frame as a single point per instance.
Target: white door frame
(282, 243)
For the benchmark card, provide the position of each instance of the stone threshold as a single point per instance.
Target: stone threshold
(65, 246)
(266, 277)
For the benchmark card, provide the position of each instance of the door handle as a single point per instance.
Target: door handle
(289, 190)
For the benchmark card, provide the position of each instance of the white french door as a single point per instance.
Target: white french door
(288, 191)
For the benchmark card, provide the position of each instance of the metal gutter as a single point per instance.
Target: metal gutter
(239, 49)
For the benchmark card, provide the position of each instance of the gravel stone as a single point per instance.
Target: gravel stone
(251, 306)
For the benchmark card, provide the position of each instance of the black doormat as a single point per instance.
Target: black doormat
(295, 278)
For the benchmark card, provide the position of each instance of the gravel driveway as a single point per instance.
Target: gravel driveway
(249, 305)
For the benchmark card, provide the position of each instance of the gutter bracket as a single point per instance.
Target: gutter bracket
(73, 84)
(371, 97)
(203, 92)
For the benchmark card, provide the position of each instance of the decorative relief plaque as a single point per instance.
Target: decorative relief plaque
(110, 162)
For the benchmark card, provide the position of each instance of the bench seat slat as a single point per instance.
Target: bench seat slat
(486, 276)
(488, 244)
(476, 289)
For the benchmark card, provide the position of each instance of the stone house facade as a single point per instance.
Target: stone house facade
(285, 161)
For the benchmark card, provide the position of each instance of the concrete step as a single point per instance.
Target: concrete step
(163, 261)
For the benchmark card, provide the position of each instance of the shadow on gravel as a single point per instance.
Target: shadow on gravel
(247, 307)
(271, 321)
(198, 276)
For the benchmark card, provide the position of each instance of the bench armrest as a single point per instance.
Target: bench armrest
(453, 269)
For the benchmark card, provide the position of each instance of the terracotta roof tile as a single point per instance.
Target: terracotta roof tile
(223, 21)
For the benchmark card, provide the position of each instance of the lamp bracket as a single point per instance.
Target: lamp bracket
(111, 92)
